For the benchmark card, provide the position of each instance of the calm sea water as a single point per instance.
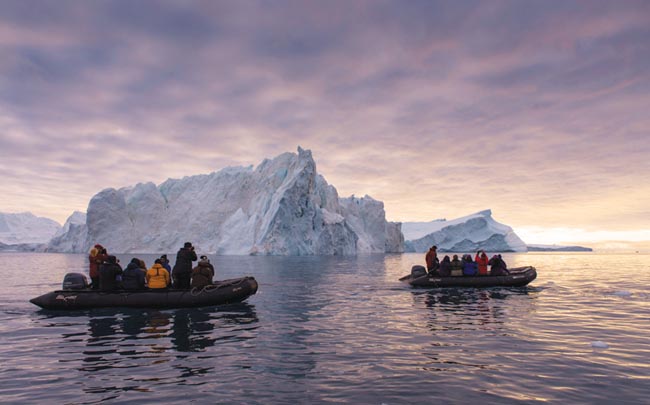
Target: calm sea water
(332, 329)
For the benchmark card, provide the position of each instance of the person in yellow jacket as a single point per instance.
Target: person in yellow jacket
(157, 276)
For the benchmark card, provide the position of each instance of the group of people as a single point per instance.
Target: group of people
(106, 274)
(465, 266)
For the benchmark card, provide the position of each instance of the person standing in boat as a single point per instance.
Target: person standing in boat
(109, 271)
(96, 257)
(183, 268)
(203, 273)
(432, 261)
(157, 276)
(133, 276)
(482, 260)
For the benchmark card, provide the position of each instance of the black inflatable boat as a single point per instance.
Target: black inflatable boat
(518, 277)
(222, 292)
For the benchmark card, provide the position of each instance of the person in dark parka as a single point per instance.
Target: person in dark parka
(203, 273)
(133, 276)
(182, 270)
(445, 267)
(108, 272)
(498, 266)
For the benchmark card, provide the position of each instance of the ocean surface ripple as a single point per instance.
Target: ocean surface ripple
(339, 329)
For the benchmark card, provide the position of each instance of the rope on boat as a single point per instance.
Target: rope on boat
(208, 288)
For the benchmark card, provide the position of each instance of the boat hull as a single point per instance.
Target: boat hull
(222, 292)
(518, 277)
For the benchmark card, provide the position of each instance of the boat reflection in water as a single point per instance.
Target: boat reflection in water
(463, 308)
(128, 338)
(468, 325)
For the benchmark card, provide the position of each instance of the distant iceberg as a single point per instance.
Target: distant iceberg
(466, 234)
(558, 248)
(282, 207)
(26, 228)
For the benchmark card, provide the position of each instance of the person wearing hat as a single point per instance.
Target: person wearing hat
(108, 274)
(182, 270)
(482, 260)
(157, 276)
(203, 273)
(432, 260)
(96, 257)
(165, 263)
(133, 276)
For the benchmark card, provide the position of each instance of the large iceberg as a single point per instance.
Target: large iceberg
(26, 228)
(466, 234)
(72, 237)
(282, 207)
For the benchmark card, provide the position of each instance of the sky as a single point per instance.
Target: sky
(538, 110)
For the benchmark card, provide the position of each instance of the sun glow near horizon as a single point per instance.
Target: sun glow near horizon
(606, 240)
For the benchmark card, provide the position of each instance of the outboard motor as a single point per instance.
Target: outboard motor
(75, 281)
(418, 271)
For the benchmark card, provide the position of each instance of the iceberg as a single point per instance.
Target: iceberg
(26, 228)
(72, 237)
(466, 234)
(558, 248)
(281, 207)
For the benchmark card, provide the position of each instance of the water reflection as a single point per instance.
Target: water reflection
(468, 308)
(112, 338)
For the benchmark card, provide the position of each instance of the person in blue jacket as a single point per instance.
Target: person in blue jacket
(164, 261)
(133, 276)
(470, 267)
(445, 267)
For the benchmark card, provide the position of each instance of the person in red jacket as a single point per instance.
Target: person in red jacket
(432, 260)
(482, 260)
(95, 258)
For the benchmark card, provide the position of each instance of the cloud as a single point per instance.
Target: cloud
(535, 109)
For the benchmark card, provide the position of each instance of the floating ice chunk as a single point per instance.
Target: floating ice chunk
(598, 344)
(623, 293)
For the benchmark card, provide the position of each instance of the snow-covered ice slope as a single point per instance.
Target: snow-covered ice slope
(25, 227)
(72, 237)
(282, 207)
(466, 234)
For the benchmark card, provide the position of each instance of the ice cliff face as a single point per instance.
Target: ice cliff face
(466, 234)
(72, 237)
(282, 207)
(25, 227)
(366, 216)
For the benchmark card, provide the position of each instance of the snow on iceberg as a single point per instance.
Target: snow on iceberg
(282, 207)
(25, 227)
(466, 234)
(72, 237)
